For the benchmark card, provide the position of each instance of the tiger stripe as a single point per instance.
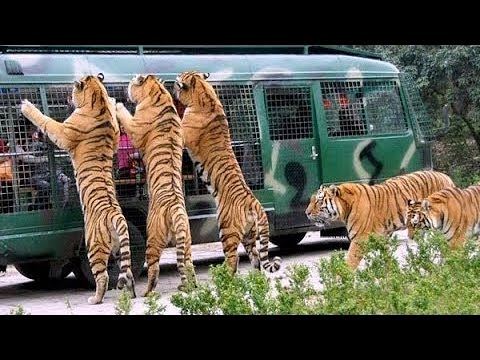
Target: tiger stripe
(366, 209)
(156, 131)
(453, 211)
(240, 216)
(90, 135)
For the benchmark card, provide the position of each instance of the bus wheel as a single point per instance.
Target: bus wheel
(44, 271)
(81, 265)
(287, 240)
(334, 232)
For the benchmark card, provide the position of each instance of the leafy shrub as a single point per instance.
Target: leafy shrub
(432, 280)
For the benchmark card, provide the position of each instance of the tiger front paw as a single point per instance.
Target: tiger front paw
(120, 107)
(122, 112)
(29, 110)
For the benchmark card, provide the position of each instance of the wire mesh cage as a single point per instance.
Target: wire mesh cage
(289, 112)
(40, 175)
(362, 107)
(416, 109)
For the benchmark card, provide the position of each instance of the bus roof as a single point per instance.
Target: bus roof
(186, 49)
(64, 67)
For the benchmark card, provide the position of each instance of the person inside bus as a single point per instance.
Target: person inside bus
(130, 164)
(350, 114)
(6, 179)
(34, 156)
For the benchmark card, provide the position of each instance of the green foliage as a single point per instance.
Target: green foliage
(432, 280)
(18, 310)
(152, 303)
(446, 74)
(124, 302)
(249, 294)
(462, 178)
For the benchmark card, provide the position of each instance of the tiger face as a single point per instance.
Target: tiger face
(89, 91)
(143, 86)
(323, 206)
(185, 86)
(418, 214)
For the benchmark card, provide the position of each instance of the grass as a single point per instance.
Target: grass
(432, 280)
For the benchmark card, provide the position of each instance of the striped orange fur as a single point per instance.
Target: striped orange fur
(90, 135)
(156, 131)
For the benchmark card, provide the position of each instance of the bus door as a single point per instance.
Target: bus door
(291, 148)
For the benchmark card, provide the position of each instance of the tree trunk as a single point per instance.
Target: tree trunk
(475, 134)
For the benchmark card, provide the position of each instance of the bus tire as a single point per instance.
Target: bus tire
(81, 266)
(42, 271)
(288, 240)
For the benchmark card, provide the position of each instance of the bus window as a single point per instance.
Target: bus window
(289, 113)
(344, 108)
(384, 108)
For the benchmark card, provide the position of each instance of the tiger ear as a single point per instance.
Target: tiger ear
(206, 75)
(78, 85)
(100, 77)
(182, 85)
(334, 190)
(425, 205)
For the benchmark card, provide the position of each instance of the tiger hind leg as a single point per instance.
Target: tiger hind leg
(181, 232)
(98, 259)
(125, 278)
(249, 243)
(273, 265)
(230, 242)
(156, 243)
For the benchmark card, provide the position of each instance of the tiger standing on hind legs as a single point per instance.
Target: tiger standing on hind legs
(156, 131)
(379, 209)
(90, 135)
(240, 216)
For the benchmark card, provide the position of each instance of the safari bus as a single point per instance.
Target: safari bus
(299, 116)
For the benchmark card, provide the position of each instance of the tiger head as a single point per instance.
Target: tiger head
(190, 85)
(324, 206)
(143, 86)
(419, 215)
(89, 91)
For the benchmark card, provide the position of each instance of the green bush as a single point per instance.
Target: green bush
(433, 280)
(124, 305)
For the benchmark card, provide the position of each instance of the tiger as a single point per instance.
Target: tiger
(156, 131)
(90, 135)
(453, 211)
(366, 209)
(240, 216)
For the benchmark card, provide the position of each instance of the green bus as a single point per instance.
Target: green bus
(300, 116)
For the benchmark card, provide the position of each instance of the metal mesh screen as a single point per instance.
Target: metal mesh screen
(383, 107)
(128, 168)
(416, 109)
(239, 105)
(35, 178)
(289, 113)
(355, 107)
(60, 108)
(25, 185)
